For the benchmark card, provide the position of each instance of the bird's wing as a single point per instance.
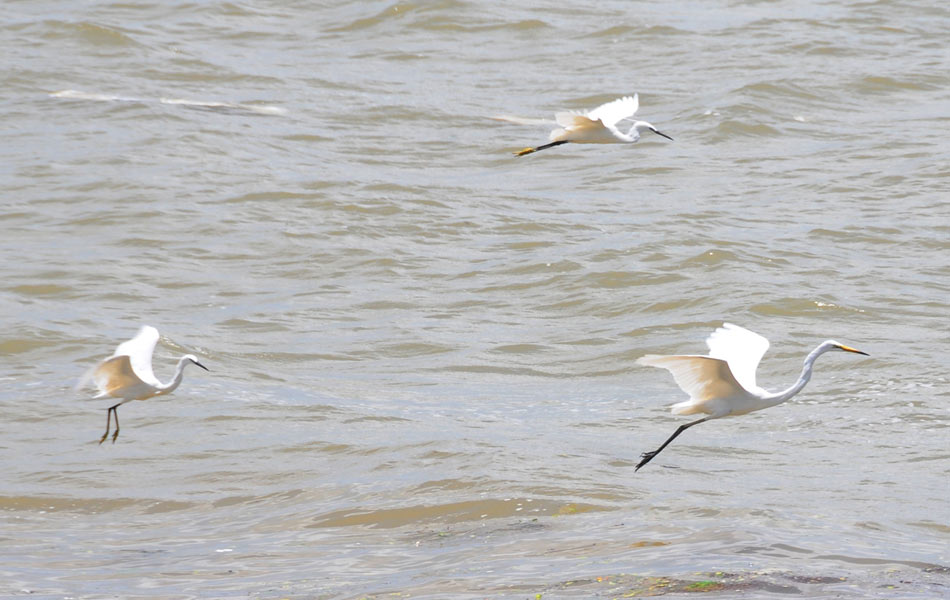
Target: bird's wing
(522, 120)
(574, 120)
(579, 127)
(566, 119)
(612, 112)
(139, 350)
(741, 348)
(115, 376)
(88, 376)
(702, 377)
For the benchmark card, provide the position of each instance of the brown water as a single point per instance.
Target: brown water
(422, 349)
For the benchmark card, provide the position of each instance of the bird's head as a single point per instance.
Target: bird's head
(833, 345)
(194, 359)
(642, 126)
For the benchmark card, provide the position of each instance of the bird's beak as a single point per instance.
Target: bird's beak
(855, 350)
(656, 131)
(209, 370)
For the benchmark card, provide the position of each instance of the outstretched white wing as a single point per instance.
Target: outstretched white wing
(116, 377)
(139, 350)
(702, 377)
(570, 119)
(522, 120)
(612, 112)
(742, 349)
(581, 128)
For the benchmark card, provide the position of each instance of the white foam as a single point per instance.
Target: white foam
(264, 110)
(77, 95)
(207, 104)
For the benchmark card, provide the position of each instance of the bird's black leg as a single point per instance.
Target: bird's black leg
(115, 410)
(112, 409)
(648, 456)
(541, 147)
(108, 425)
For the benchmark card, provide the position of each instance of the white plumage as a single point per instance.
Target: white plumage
(597, 126)
(723, 383)
(127, 374)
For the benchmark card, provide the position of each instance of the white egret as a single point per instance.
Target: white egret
(127, 374)
(722, 384)
(598, 126)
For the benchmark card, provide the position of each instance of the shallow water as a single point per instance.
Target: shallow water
(422, 348)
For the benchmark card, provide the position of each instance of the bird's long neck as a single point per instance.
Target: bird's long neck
(639, 127)
(167, 388)
(634, 133)
(803, 379)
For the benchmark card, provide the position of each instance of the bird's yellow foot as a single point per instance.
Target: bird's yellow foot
(525, 151)
(103, 438)
(114, 435)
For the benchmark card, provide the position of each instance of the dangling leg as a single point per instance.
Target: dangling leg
(648, 456)
(115, 410)
(112, 409)
(108, 424)
(542, 147)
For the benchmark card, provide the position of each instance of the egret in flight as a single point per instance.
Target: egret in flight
(723, 383)
(127, 374)
(598, 126)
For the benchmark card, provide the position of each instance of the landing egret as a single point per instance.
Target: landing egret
(598, 126)
(723, 383)
(127, 374)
